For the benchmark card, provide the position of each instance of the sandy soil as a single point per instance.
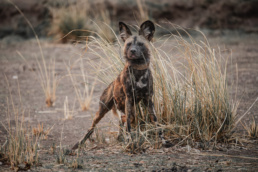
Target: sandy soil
(110, 156)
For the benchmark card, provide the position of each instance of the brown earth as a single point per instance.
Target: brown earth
(110, 156)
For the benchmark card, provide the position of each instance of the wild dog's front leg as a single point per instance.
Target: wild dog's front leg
(151, 110)
(129, 112)
(149, 104)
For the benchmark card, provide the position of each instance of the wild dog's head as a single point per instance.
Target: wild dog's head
(136, 48)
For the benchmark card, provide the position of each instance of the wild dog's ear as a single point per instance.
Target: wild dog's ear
(147, 30)
(124, 31)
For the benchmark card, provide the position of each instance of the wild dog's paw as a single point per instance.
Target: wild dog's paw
(76, 146)
(120, 138)
(166, 143)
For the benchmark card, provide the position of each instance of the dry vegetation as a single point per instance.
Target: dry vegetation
(20, 149)
(251, 129)
(191, 93)
(84, 93)
(40, 131)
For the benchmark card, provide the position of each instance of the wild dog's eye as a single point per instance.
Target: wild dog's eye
(140, 44)
(129, 44)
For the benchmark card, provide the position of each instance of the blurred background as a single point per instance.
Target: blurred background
(56, 18)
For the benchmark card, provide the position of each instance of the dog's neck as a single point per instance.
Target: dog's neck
(138, 65)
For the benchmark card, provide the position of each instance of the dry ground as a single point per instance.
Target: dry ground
(110, 156)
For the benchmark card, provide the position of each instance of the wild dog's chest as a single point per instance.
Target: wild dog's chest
(138, 82)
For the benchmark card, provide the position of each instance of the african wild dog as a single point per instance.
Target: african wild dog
(134, 83)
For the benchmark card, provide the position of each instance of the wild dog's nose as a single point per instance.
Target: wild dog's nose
(133, 51)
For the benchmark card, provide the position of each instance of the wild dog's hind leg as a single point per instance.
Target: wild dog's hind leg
(106, 103)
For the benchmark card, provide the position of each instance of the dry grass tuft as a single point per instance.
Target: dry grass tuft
(82, 86)
(191, 94)
(252, 129)
(68, 114)
(52, 149)
(76, 163)
(48, 80)
(40, 131)
(60, 158)
(46, 75)
(21, 146)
